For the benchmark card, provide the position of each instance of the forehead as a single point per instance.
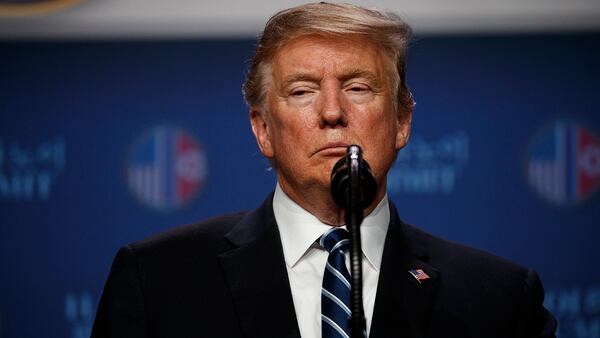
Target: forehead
(319, 55)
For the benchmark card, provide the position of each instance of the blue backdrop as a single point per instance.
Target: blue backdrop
(104, 143)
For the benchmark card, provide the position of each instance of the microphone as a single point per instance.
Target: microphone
(352, 165)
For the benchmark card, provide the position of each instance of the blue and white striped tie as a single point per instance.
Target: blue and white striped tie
(335, 294)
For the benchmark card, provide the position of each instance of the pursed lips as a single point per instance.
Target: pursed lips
(333, 149)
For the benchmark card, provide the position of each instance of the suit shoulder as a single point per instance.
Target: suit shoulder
(208, 233)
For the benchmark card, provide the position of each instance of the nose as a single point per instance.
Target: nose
(333, 113)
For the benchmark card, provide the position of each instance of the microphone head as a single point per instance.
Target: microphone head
(341, 177)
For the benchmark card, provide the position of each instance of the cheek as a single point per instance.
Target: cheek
(375, 119)
(290, 131)
(297, 121)
(378, 131)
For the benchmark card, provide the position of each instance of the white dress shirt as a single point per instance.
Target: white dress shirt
(305, 259)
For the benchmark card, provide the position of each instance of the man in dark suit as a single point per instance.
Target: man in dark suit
(323, 76)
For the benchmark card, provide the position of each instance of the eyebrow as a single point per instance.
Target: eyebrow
(361, 73)
(297, 77)
(348, 75)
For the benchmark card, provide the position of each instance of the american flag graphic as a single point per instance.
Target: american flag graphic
(564, 163)
(167, 168)
(419, 274)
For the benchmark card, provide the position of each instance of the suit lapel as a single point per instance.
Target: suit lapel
(403, 304)
(257, 278)
(419, 298)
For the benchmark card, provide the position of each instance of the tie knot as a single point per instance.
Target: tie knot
(334, 239)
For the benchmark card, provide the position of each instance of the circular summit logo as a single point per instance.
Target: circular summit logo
(166, 168)
(564, 163)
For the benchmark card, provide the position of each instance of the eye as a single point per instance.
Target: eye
(358, 88)
(299, 92)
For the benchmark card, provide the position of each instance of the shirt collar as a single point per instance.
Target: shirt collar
(299, 229)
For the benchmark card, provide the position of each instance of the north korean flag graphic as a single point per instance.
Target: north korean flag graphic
(167, 168)
(564, 163)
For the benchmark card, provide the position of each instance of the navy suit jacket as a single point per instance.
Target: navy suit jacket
(226, 277)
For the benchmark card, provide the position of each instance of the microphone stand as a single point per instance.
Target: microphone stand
(354, 217)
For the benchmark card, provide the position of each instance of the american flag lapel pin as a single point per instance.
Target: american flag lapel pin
(419, 275)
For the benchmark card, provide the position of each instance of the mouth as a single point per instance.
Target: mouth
(333, 149)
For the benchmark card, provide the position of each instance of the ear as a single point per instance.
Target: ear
(404, 121)
(260, 129)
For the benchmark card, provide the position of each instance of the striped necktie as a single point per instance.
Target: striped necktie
(335, 294)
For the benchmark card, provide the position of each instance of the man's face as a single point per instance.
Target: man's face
(325, 94)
